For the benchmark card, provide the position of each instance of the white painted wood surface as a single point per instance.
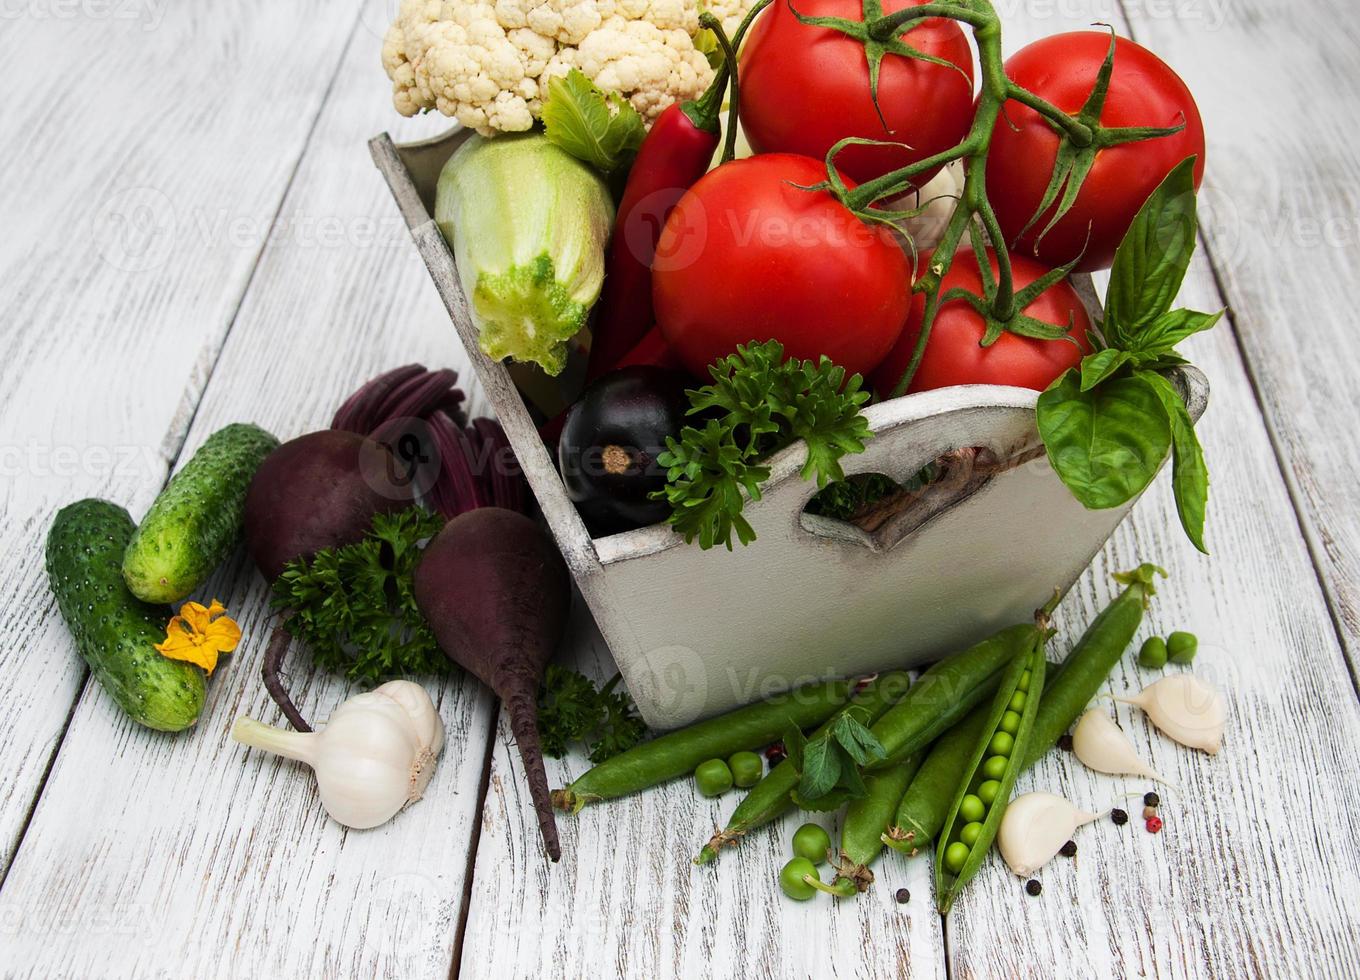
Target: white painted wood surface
(151, 855)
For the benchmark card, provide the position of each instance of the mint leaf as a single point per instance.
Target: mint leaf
(1189, 475)
(821, 768)
(602, 130)
(857, 741)
(1106, 444)
(1151, 261)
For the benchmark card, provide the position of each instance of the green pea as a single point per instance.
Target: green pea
(971, 808)
(713, 778)
(793, 879)
(811, 843)
(1010, 722)
(1152, 654)
(1023, 683)
(970, 833)
(1181, 647)
(747, 768)
(1017, 702)
(994, 767)
(987, 791)
(955, 855)
(1001, 744)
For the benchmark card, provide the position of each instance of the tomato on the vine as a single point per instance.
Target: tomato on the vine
(1143, 92)
(747, 255)
(953, 354)
(805, 87)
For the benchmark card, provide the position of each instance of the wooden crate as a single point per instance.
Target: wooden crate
(698, 632)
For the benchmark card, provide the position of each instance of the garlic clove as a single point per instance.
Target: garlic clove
(1186, 709)
(1100, 745)
(428, 726)
(1034, 829)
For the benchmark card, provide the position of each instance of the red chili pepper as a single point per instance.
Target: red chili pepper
(674, 155)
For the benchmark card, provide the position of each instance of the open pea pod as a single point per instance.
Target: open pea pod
(969, 829)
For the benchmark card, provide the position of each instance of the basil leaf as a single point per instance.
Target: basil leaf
(601, 130)
(1150, 263)
(1189, 475)
(1096, 367)
(1169, 329)
(1106, 444)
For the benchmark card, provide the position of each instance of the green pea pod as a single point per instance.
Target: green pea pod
(925, 805)
(946, 692)
(865, 821)
(771, 797)
(948, 879)
(1091, 660)
(678, 753)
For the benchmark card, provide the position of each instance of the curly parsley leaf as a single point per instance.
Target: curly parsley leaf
(571, 710)
(600, 129)
(757, 404)
(354, 608)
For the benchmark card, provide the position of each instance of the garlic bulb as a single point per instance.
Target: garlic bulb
(1100, 745)
(375, 755)
(1185, 709)
(1035, 828)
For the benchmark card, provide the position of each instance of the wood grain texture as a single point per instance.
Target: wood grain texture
(157, 142)
(1282, 224)
(152, 856)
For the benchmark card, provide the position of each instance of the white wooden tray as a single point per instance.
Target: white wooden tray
(698, 632)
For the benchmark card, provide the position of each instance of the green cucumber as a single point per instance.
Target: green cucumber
(114, 631)
(197, 520)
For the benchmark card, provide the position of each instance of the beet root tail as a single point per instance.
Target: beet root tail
(273, 683)
(523, 711)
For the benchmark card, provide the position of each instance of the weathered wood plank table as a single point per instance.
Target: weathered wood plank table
(194, 234)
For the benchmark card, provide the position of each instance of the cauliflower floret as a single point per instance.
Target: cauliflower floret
(487, 63)
(649, 67)
(730, 12)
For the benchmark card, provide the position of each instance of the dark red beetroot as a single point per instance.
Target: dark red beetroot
(322, 490)
(496, 592)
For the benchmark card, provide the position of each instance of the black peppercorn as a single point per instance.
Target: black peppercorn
(1151, 799)
(1069, 849)
(1033, 887)
(903, 896)
(1119, 817)
(1065, 743)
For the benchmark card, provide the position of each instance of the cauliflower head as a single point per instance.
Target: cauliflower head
(488, 64)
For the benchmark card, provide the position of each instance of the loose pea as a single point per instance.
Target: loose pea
(792, 879)
(1181, 647)
(972, 809)
(955, 855)
(1023, 683)
(1001, 744)
(994, 767)
(970, 832)
(746, 768)
(988, 790)
(1017, 701)
(1010, 722)
(811, 843)
(1152, 654)
(713, 778)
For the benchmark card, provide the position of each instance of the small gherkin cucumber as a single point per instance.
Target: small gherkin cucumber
(198, 518)
(113, 630)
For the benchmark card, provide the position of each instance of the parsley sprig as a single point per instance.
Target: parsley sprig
(757, 404)
(570, 709)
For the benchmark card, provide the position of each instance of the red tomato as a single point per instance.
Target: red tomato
(745, 255)
(1143, 92)
(803, 88)
(953, 355)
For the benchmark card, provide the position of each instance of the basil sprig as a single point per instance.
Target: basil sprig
(1109, 425)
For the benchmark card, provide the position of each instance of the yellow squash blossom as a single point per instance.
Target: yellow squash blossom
(199, 634)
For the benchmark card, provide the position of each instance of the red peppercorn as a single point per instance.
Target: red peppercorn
(776, 753)
(1154, 824)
